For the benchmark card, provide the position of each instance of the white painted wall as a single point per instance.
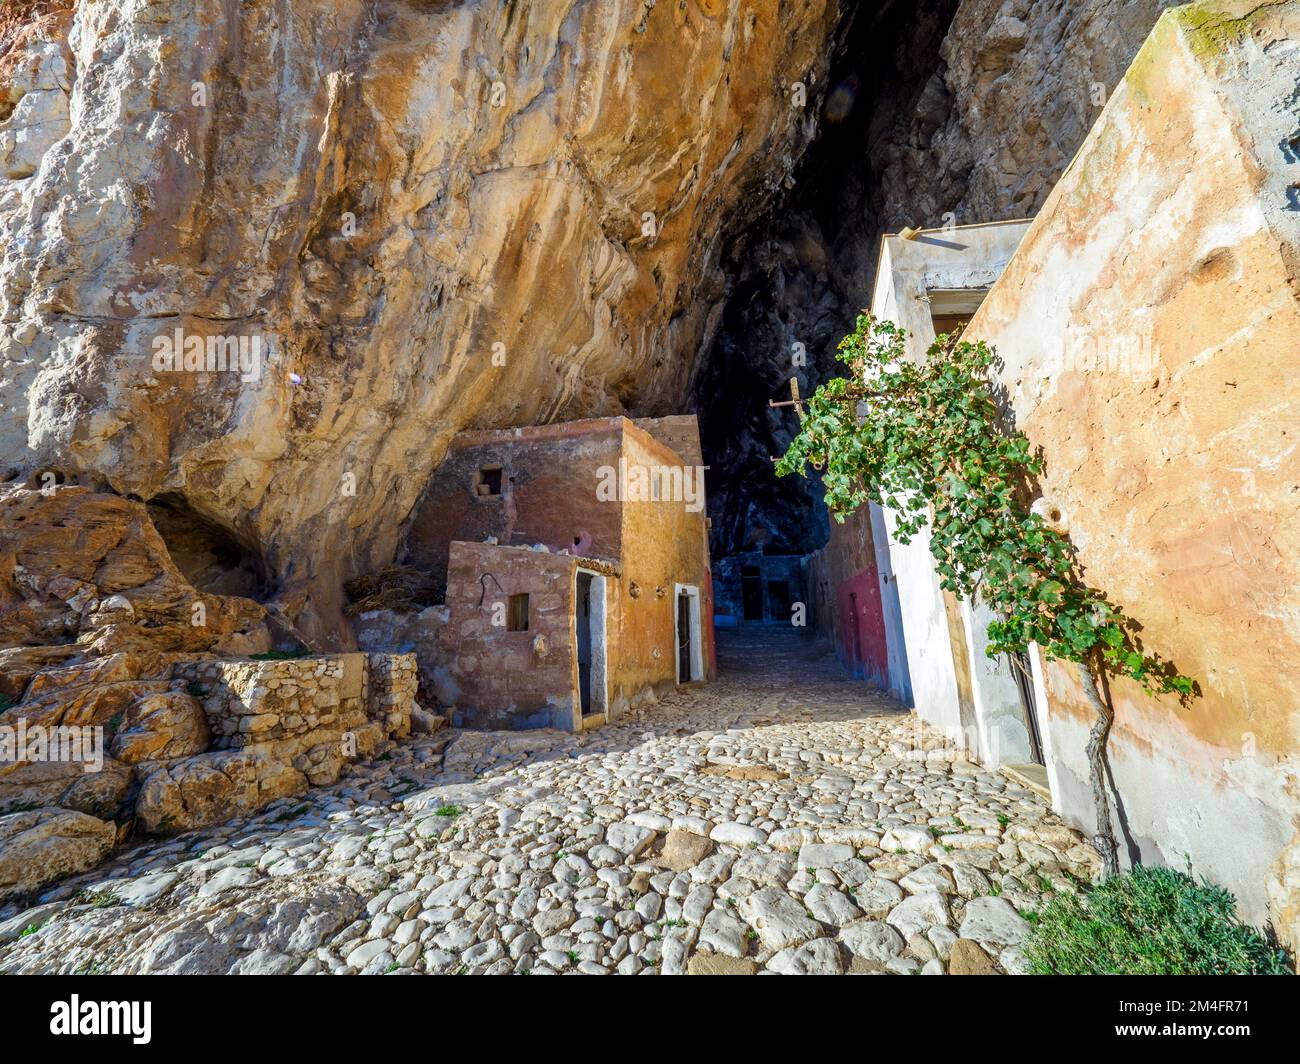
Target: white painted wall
(900, 675)
(965, 257)
(1003, 734)
(925, 632)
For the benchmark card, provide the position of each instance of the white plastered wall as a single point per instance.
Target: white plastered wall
(960, 258)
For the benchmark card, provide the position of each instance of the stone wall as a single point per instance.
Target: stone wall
(680, 433)
(185, 743)
(548, 480)
(300, 710)
(423, 634)
(391, 684)
(501, 678)
(665, 544)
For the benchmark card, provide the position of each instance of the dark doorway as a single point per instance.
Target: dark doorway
(857, 631)
(584, 641)
(751, 590)
(1025, 682)
(690, 649)
(778, 599)
(589, 624)
(683, 638)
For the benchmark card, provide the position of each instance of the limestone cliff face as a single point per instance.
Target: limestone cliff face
(421, 215)
(384, 196)
(1022, 82)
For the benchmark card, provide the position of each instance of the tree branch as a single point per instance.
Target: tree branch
(1104, 838)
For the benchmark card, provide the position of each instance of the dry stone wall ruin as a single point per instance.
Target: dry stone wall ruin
(186, 744)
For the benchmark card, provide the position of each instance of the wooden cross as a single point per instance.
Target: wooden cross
(794, 401)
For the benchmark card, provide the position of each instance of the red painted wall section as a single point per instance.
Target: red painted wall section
(870, 657)
(706, 619)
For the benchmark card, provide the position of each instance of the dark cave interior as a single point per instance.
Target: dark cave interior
(800, 274)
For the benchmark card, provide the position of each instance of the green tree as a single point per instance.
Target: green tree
(927, 440)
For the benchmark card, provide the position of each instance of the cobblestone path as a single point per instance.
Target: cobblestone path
(784, 818)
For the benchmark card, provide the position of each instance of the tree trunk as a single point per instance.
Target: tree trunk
(1104, 839)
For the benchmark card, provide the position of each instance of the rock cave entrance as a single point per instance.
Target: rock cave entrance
(210, 556)
(799, 275)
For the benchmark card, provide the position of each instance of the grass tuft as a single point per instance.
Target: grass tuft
(1150, 921)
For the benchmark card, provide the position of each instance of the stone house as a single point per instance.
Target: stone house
(757, 588)
(850, 583)
(577, 572)
(1145, 323)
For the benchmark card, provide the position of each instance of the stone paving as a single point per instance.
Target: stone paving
(784, 819)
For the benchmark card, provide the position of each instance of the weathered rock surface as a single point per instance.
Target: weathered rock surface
(684, 849)
(425, 186)
(872, 941)
(35, 79)
(478, 215)
(968, 958)
(125, 738)
(161, 726)
(42, 845)
(213, 787)
(111, 587)
(710, 964)
(994, 920)
(1022, 83)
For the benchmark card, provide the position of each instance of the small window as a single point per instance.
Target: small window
(517, 614)
(487, 481)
